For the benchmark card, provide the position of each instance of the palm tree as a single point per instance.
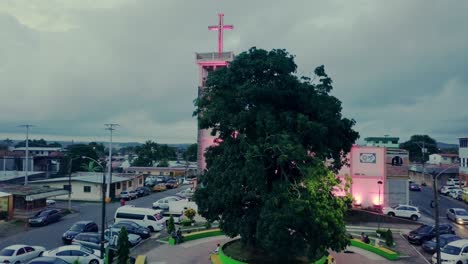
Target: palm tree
(90, 167)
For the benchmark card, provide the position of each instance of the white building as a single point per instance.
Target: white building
(443, 159)
(463, 155)
(87, 186)
(39, 151)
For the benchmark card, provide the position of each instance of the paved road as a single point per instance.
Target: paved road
(50, 236)
(423, 201)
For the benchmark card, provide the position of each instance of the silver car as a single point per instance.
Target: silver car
(163, 203)
(458, 215)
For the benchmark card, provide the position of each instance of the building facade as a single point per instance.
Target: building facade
(386, 141)
(463, 155)
(443, 159)
(88, 186)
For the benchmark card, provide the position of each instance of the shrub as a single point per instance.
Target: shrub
(208, 225)
(170, 225)
(186, 222)
(123, 247)
(190, 213)
(3, 215)
(389, 238)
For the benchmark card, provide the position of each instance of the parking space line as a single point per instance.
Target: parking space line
(417, 251)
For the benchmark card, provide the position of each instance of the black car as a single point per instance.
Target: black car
(427, 232)
(143, 191)
(77, 228)
(415, 187)
(134, 228)
(172, 184)
(430, 246)
(45, 217)
(47, 260)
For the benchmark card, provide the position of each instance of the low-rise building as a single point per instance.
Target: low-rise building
(163, 171)
(87, 186)
(385, 141)
(27, 200)
(463, 155)
(443, 158)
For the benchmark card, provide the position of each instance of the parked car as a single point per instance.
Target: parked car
(458, 215)
(186, 194)
(164, 202)
(414, 187)
(446, 189)
(15, 254)
(134, 228)
(430, 245)
(406, 211)
(146, 217)
(45, 217)
(133, 194)
(452, 182)
(453, 252)
(50, 202)
(427, 232)
(455, 193)
(111, 235)
(127, 195)
(75, 252)
(89, 240)
(159, 187)
(172, 184)
(77, 228)
(47, 260)
(143, 191)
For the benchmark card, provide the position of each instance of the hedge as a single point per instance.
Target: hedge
(381, 251)
(198, 235)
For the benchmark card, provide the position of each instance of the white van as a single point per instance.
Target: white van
(143, 216)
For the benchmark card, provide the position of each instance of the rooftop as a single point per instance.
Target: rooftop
(92, 177)
(28, 190)
(381, 138)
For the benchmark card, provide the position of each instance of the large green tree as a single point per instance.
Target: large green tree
(76, 152)
(267, 181)
(152, 152)
(415, 145)
(190, 154)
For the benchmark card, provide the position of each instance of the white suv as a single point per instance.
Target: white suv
(453, 181)
(446, 189)
(402, 210)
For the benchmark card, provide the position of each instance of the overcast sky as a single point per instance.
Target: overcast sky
(70, 66)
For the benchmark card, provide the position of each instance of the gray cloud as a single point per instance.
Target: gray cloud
(70, 66)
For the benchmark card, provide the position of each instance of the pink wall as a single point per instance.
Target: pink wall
(367, 167)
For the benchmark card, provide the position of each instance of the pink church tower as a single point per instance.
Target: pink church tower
(208, 62)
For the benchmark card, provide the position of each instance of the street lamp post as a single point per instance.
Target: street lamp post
(111, 128)
(69, 181)
(380, 205)
(436, 209)
(103, 212)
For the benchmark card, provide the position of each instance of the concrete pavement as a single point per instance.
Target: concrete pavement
(50, 236)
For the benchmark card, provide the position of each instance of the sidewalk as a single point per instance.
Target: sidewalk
(196, 251)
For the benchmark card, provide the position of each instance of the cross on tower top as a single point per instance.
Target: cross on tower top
(220, 28)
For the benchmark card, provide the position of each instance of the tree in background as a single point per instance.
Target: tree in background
(75, 152)
(123, 247)
(152, 152)
(414, 145)
(190, 154)
(266, 181)
(163, 163)
(37, 143)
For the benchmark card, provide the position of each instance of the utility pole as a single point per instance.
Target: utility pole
(27, 126)
(111, 128)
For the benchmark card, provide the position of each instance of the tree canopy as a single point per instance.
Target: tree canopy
(267, 181)
(76, 152)
(152, 152)
(416, 143)
(190, 154)
(38, 143)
